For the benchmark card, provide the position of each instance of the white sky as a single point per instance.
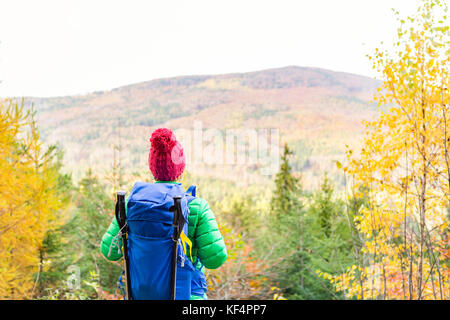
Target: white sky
(50, 48)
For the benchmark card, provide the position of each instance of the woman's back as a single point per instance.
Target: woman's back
(208, 247)
(207, 241)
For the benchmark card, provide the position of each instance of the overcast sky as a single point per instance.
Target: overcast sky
(51, 48)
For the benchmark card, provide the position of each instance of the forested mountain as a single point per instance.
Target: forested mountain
(317, 111)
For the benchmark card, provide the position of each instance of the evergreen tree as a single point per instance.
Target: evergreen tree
(328, 239)
(285, 232)
(307, 233)
(95, 212)
(77, 244)
(286, 186)
(325, 209)
(53, 260)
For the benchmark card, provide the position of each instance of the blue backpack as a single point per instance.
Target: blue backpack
(150, 246)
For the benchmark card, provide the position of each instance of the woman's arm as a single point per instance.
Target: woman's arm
(111, 245)
(207, 238)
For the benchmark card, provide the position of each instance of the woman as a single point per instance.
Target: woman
(167, 162)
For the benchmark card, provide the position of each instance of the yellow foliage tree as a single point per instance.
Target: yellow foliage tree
(403, 169)
(29, 202)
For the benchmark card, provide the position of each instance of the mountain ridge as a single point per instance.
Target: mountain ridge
(316, 110)
(205, 76)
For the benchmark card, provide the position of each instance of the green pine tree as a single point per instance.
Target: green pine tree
(77, 243)
(328, 239)
(287, 186)
(52, 257)
(286, 232)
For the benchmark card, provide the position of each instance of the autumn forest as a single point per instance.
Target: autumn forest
(363, 215)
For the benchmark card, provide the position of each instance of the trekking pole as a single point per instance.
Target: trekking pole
(177, 216)
(121, 220)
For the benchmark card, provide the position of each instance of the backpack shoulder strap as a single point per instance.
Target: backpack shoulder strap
(190, 195)
(191, 190)
(185, 240)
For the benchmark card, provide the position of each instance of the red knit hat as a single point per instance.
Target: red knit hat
(166, 157)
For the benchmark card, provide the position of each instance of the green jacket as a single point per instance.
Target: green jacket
(207, 241)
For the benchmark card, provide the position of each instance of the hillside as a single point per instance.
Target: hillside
(317, 111)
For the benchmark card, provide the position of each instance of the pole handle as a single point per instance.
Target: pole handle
(121, 220)
(177, 214)
(120, 208)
